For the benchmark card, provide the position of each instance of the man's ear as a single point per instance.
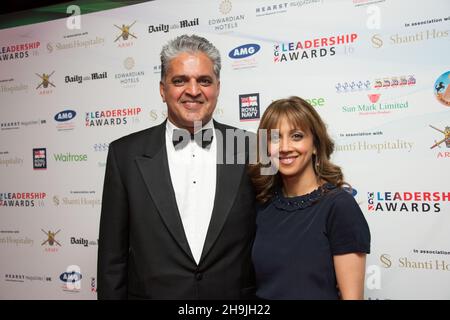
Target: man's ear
(161, 91)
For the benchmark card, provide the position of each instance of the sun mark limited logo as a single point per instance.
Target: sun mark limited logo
(442, 89)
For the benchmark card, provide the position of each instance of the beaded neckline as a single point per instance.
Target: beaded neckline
(303, 201)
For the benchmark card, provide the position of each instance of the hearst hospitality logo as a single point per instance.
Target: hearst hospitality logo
(229, 22)
(243, 56)
(406, 202)
(16, 124)
(375, 107)
(113, 117)
(310, 49)
(442, 88)
(22, 199)
(181, 24)
(249, 107)
(14, 277)
(130, 78)
(271, 9)
(19, 51)
(124, 39)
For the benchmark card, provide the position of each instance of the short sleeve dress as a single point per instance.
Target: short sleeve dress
(296, 240)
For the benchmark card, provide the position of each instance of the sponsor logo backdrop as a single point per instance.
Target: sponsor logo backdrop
(376, 71)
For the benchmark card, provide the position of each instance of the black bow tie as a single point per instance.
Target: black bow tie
(181, 138)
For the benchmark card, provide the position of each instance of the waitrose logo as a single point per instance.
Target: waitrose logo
(69, 157)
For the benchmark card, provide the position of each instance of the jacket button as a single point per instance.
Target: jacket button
(198, 276)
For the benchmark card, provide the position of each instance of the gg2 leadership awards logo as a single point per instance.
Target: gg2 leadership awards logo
(442, 89)
(406, 202)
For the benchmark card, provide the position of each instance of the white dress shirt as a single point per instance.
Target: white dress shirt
(193, 174)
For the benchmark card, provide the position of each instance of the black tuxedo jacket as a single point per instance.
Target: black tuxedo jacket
(143, 252)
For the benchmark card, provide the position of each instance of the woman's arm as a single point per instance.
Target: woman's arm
(350, 275)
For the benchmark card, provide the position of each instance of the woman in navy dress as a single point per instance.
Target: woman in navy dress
(312, 237)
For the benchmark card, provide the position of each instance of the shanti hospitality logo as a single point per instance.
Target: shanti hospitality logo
(19, 51)
(40, 158)
(442, 89)
(406, 201)
(310, 48)
(249, 107)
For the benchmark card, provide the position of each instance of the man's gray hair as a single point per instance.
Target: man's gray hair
(190, 44)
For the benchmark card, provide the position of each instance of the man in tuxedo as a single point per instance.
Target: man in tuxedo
(177, 219)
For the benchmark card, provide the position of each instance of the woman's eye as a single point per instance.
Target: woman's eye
(297, 136)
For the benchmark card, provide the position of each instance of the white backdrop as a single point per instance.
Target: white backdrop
(377, 71)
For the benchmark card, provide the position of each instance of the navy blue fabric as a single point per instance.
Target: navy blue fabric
(297, 237)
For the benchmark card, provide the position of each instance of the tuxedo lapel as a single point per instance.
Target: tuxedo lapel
(153, 166)
(227, 185)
